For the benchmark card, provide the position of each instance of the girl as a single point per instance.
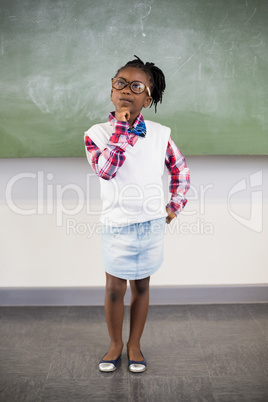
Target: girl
(129, 155)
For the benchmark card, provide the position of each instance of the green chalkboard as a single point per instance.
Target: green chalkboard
(57, 58)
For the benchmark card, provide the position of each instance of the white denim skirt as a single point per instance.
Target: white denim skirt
(135, 251)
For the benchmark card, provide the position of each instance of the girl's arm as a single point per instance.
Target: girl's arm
(180, 178)
(107, 162)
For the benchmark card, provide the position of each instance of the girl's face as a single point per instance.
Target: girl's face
(126, 98)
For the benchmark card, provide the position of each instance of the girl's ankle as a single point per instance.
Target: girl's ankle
(118, 346)
(133, 346)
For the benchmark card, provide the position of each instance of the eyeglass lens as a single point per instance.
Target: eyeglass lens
(135, 86)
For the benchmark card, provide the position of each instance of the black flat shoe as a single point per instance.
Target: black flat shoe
(137, 367)
(108, 365)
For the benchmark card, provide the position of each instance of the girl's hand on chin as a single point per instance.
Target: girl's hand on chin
(122, 114)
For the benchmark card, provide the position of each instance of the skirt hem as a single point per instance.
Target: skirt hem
(131, 277)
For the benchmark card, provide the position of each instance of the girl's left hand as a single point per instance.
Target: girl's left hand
(170, 215)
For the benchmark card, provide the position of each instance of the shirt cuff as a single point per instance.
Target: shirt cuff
(176, 208)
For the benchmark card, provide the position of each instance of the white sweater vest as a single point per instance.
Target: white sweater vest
(136, 193)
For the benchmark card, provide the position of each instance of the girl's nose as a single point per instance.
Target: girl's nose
(126, 89)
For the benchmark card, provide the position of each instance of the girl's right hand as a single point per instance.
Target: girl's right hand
(122, 114)
(170, 215)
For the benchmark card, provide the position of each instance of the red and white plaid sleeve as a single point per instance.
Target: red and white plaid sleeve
(107, 162)
(180, 177)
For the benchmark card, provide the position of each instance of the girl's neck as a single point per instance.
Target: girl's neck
(132, 120)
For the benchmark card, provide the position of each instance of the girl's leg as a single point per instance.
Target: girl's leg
(114, 312)
(138, 314)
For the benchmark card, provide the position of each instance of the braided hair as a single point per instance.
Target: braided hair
(156, 77)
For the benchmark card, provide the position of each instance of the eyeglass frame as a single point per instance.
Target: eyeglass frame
(129, 83)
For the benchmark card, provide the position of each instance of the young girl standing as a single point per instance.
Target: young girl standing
(129, 155)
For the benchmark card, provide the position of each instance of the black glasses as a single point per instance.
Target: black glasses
(136, 87)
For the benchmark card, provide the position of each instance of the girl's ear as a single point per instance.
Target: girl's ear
(147, 101)
(112, 95)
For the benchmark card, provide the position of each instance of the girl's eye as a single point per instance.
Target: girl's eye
(121, 83)
(137, 85)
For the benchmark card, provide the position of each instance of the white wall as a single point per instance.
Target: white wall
(49, 233)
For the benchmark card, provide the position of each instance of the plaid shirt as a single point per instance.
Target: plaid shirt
(107, 162)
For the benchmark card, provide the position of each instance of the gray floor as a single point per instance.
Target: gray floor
(194, 353)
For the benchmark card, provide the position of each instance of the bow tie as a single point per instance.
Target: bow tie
(139, 129)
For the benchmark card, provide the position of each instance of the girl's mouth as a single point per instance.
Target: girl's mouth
(125, 100)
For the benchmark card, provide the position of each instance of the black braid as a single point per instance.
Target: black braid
(156, 76)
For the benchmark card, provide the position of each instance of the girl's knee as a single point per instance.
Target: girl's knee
(115, 288)
(140, 286)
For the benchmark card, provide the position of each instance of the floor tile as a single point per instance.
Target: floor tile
(238, 359)
(218, 324)
(168, 328)
(83, 333)
(168, 312)
(31, 327)
(259, 313)
(172, 389)
(109, 389)
(183, 359)
(79, 363)
(219, 312)
(34, 313)
(15, 388)
(241, 389)
(199, 352)
(85, 314)
(25, 361)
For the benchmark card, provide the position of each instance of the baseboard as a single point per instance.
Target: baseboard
(94, 296)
